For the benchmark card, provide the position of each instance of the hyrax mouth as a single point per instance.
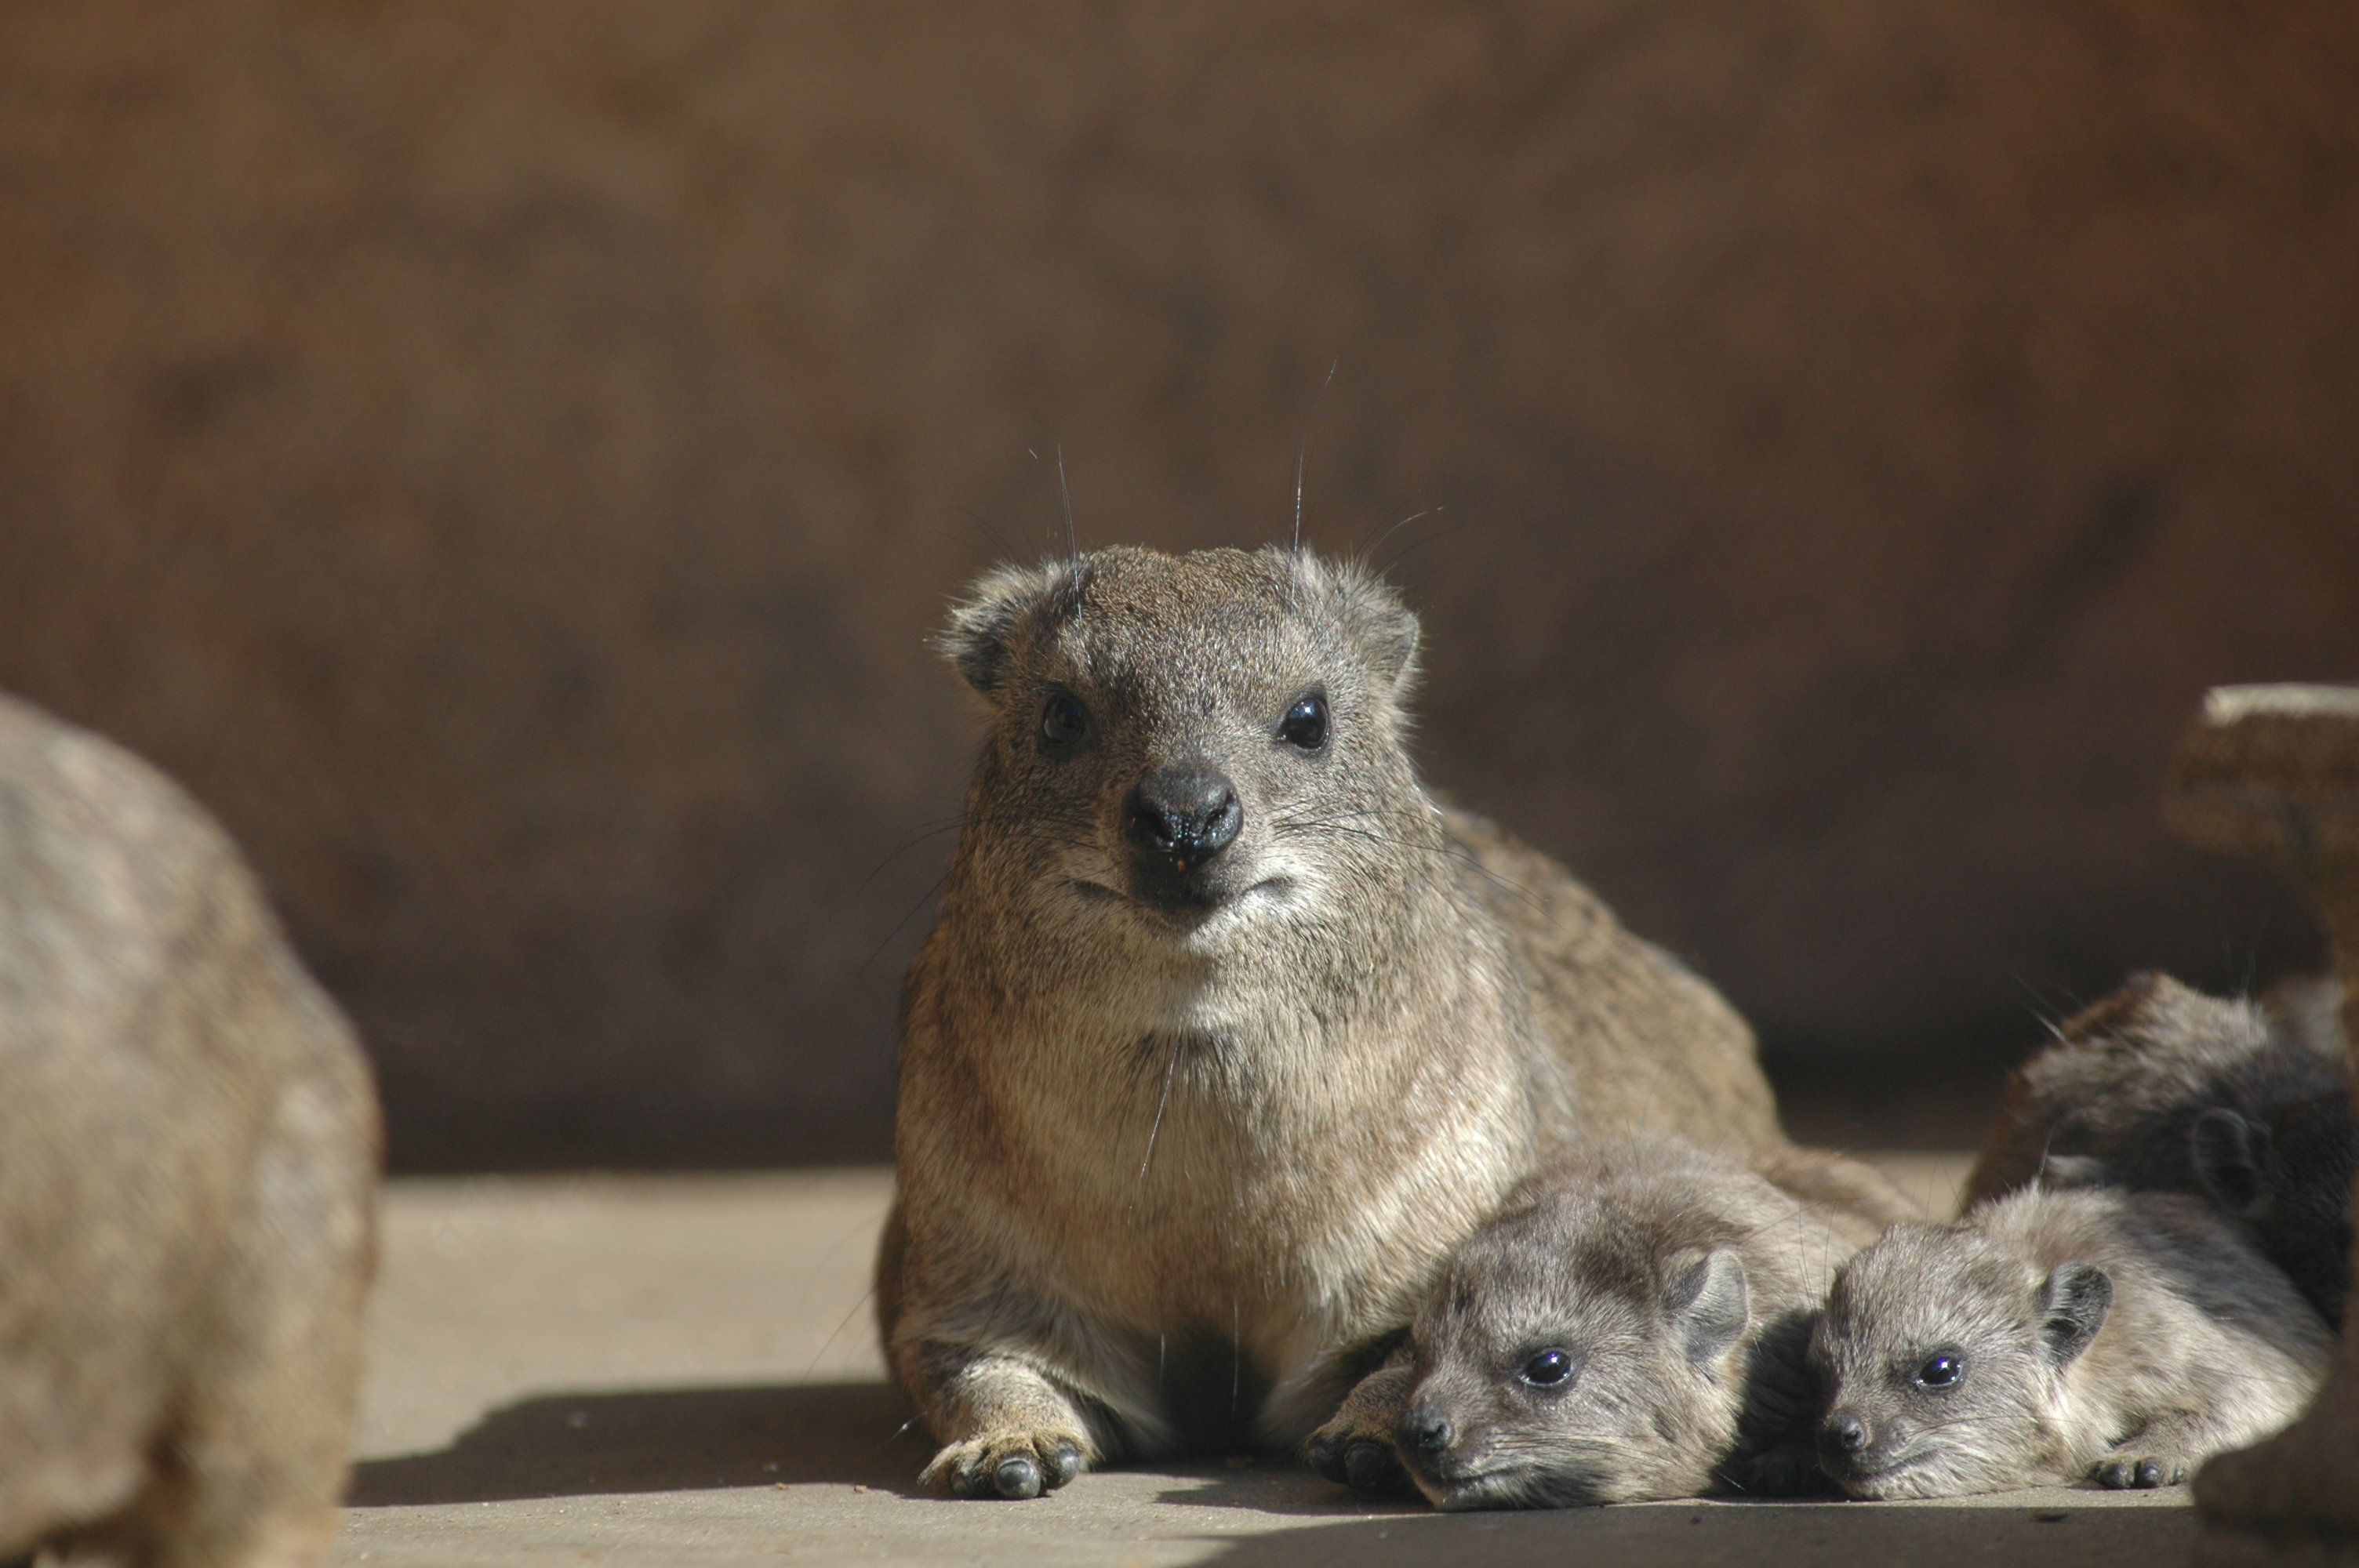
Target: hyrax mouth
(1565, 1482)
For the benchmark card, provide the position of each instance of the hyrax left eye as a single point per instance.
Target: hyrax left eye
(1941, 1372)
(1062, 721)
(1548, 1369)
(1305, 724)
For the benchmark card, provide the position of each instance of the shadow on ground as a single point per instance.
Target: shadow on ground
(1742, 1535)
(684, 1440)
(661, 1440)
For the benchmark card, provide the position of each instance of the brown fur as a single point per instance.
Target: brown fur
(1168, 1170)
(186, 1191)
(1680, 1288)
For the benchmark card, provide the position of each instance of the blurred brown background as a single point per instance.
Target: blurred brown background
(503, 459)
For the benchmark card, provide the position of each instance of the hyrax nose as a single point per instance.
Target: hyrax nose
(1185, 815)
(1427, 1430)
(1841, 1433)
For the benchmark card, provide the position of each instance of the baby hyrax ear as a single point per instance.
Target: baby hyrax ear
(983, 625)
(2058, 1171)
(2072, 1306)
(1708, 1304)
(2231, 1155)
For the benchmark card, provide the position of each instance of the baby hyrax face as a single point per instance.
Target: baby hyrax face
(1184, 744)
(1547, 1381)
(1944, 1359)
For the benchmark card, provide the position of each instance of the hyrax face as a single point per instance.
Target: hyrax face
(1187, 743)
(1945, 1362)
(1556, 1380)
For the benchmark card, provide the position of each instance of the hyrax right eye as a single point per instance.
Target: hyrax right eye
(1063, 720)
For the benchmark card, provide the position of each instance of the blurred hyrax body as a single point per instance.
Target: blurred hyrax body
(2052, 1337)
(187, 1158)
(2164, 1089)
(1633, 1323)
(1228, 1032)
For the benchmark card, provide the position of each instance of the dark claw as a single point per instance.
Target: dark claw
(2150, 1473)
(1370, 1466)
(1064, 1464)
(2113, 1473)
(1017, 1477)
(1327, 1458)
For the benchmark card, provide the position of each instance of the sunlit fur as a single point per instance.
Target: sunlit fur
(2205, 1346)
(187, 1178)
(1167, 1165)
(1600, 1255)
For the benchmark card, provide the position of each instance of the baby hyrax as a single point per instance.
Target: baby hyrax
(188, 1157)
(2162, 1087)
(2055, 1337)
(1633, 1323)
(1227, 1030)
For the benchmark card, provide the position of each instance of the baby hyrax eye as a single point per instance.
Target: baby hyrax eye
(1548, 1369)
(1941, 1372)
(1063, 719)
(1305, 725)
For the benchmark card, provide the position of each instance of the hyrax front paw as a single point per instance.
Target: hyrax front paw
(1353, 1455)
(2124, 1471)
(1016, 1464)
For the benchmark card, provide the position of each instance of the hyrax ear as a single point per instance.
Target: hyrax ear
(983, 623)
(2058, 1171)
(1381, 628)
(2072, 1307)
(2231, 1155)
(1708, 1305)
(1384, 628)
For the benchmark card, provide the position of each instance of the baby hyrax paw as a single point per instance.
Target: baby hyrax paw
(2124, 1471)
(1011, 1463)
(1355, 1447)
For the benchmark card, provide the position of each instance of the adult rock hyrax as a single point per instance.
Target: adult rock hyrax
(187, 1158)
(2162, 1087)
(1227, 1032)
(2058, 1338)
(1633, 1323)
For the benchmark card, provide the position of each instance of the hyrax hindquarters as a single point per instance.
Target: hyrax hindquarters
(1633, 1323)
(2052, 1337)
(187, 1155)
(1227, 1033)
(2162, 1087)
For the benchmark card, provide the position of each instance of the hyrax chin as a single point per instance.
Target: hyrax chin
(187, 1160)
(2161, 1087)
(1633, 1323)
(2054, 1338)
(1227, 1032)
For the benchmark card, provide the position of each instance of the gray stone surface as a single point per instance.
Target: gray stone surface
(681, 1370)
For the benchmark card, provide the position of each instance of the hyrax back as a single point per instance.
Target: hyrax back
(2162, 1087)
(1227, 1033)
(2053, 1338)
(1633, 1323)
(186, 1190)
